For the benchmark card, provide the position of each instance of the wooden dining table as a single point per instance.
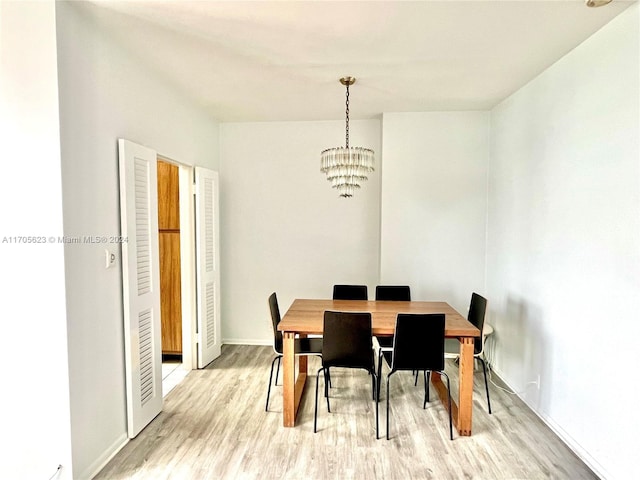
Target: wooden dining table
(306, 317)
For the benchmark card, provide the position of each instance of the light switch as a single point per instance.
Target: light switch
(110, 258)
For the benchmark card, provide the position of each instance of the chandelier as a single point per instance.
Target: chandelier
(346, 167)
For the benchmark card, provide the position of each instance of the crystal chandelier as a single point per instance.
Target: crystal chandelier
(346, 167)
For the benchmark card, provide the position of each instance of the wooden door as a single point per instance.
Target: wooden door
(170, 273)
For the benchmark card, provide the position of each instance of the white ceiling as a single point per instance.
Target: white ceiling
(281, 60)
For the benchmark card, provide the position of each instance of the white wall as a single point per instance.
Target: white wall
(434, 199)
(105, 94)
(283, 228)
(564, 244)
(34, 404)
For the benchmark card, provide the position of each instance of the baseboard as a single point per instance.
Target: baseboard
(562, 434)
(102, 461)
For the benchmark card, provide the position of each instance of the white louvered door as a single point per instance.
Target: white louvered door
(140, 284)
(207, 266)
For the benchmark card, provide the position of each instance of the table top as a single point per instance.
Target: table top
(306, 315)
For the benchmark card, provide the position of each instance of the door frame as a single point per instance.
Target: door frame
(188, 268)
(187, 262)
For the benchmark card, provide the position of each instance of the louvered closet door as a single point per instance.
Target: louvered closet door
(208, 266)
(140, 283)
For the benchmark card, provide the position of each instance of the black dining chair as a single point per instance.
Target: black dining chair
(476, 316)
(302, 346)
(390, 293)
(398, 293)
(347, 343)
(419, 345)
(350, 292)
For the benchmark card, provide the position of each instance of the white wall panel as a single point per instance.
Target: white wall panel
(105, 94)
(283, 228)
(433, 216)
(34, 404)
(564, 244)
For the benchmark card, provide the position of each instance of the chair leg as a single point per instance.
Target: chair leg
(266, 408)
(374, 386)
(315, 410)
(376, 400)
(379, 372)
(388, 376)
(427, 379)
(278, 370)
(426, 389)
(415, 384)
(486, 385)
(327, 390)
(326, 383)
(450, 420)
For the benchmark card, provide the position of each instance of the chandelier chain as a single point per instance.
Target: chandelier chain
(347, 119)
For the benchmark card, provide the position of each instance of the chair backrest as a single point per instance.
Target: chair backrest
(350, 292)
(418, 342)
(477, 311)
(275, 320)
(347, 340)
(398, 293)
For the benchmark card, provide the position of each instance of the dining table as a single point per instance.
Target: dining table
(306, 317)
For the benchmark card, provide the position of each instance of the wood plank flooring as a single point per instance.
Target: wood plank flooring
(214, 427)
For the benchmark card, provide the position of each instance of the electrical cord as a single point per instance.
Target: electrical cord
(506, 390)
(489, 361)
(56, 472)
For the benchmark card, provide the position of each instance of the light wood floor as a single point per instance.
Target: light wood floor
(214, 427)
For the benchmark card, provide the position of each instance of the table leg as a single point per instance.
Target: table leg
(292, 387)
(288, 379)
(460, 411)
(465, 399)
